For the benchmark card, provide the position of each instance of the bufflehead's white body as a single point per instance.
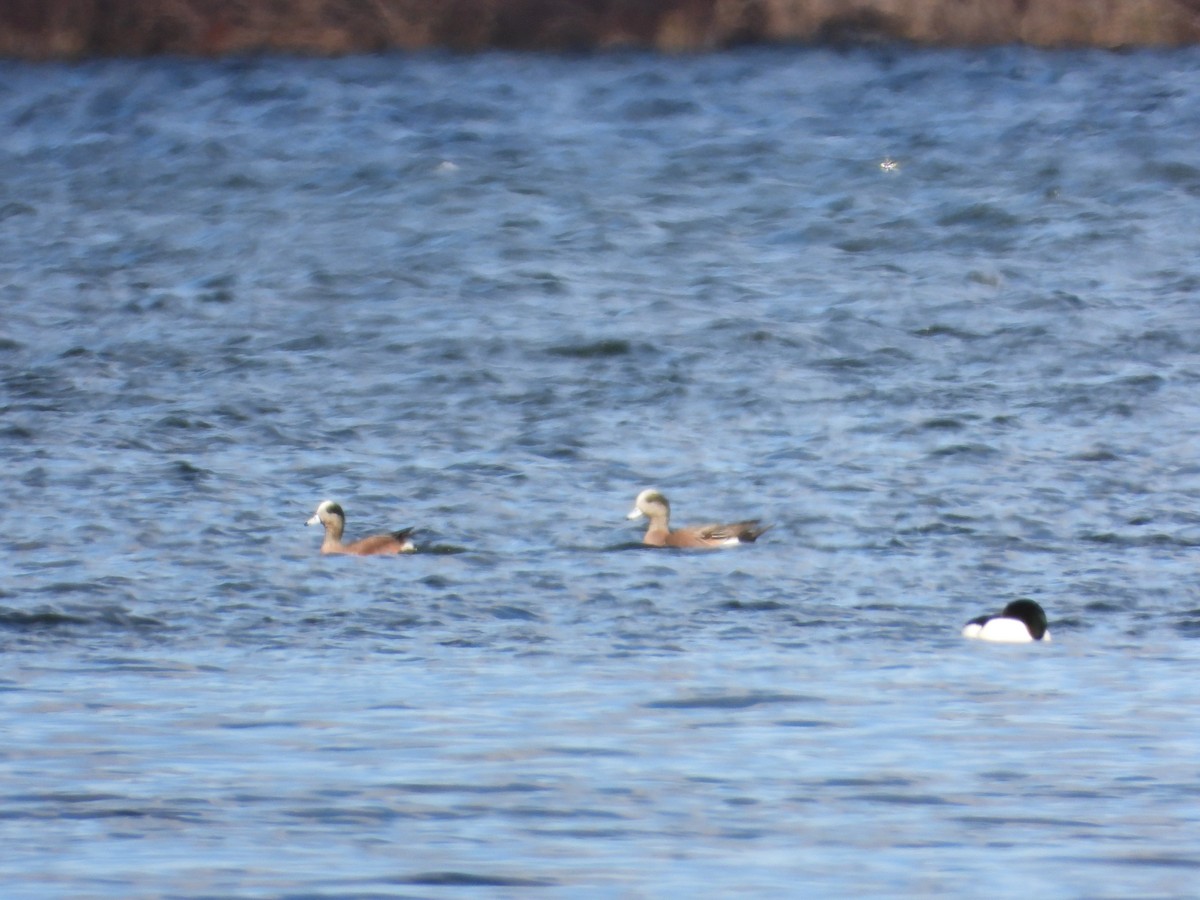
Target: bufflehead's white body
(1022, 622)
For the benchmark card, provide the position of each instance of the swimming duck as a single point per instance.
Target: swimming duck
(653, 505)
(331, 516)
(1021, 622)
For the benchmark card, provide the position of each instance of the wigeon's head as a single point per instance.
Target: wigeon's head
(649, 503)
(327, 511)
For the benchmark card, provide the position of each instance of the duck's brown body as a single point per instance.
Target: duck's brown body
(655, 507)
(330, 515)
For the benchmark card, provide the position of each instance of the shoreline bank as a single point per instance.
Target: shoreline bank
(75, 29)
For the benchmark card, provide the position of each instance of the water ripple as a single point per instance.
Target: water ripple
(931, 313)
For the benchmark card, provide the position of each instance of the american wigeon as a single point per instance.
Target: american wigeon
(653, 505)
(331, 516)
(1021, 622)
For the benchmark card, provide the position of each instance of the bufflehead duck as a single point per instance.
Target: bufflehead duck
(1021, 622)
(653, 505)
(331, 516)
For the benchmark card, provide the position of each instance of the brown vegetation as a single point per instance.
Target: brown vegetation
(46, 29)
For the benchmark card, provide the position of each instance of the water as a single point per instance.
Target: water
(931, 313)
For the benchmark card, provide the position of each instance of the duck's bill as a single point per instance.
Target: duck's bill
(315, 520)
(635, 513)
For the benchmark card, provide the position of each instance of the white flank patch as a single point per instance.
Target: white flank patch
(1001, 630)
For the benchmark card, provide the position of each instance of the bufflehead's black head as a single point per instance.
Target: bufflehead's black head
(1030, 613)
(1021, 622)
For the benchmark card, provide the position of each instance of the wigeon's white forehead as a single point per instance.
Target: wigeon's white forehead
(650, 495)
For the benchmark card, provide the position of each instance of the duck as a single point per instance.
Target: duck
(653, 505)
(1022, 622)
(330, 515)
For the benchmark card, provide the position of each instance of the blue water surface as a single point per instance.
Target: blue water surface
(933, 314)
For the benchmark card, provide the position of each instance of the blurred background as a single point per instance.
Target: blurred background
(39, 29)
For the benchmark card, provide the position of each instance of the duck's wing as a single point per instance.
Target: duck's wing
(743, 532)
(376, 544)
(717, 535)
